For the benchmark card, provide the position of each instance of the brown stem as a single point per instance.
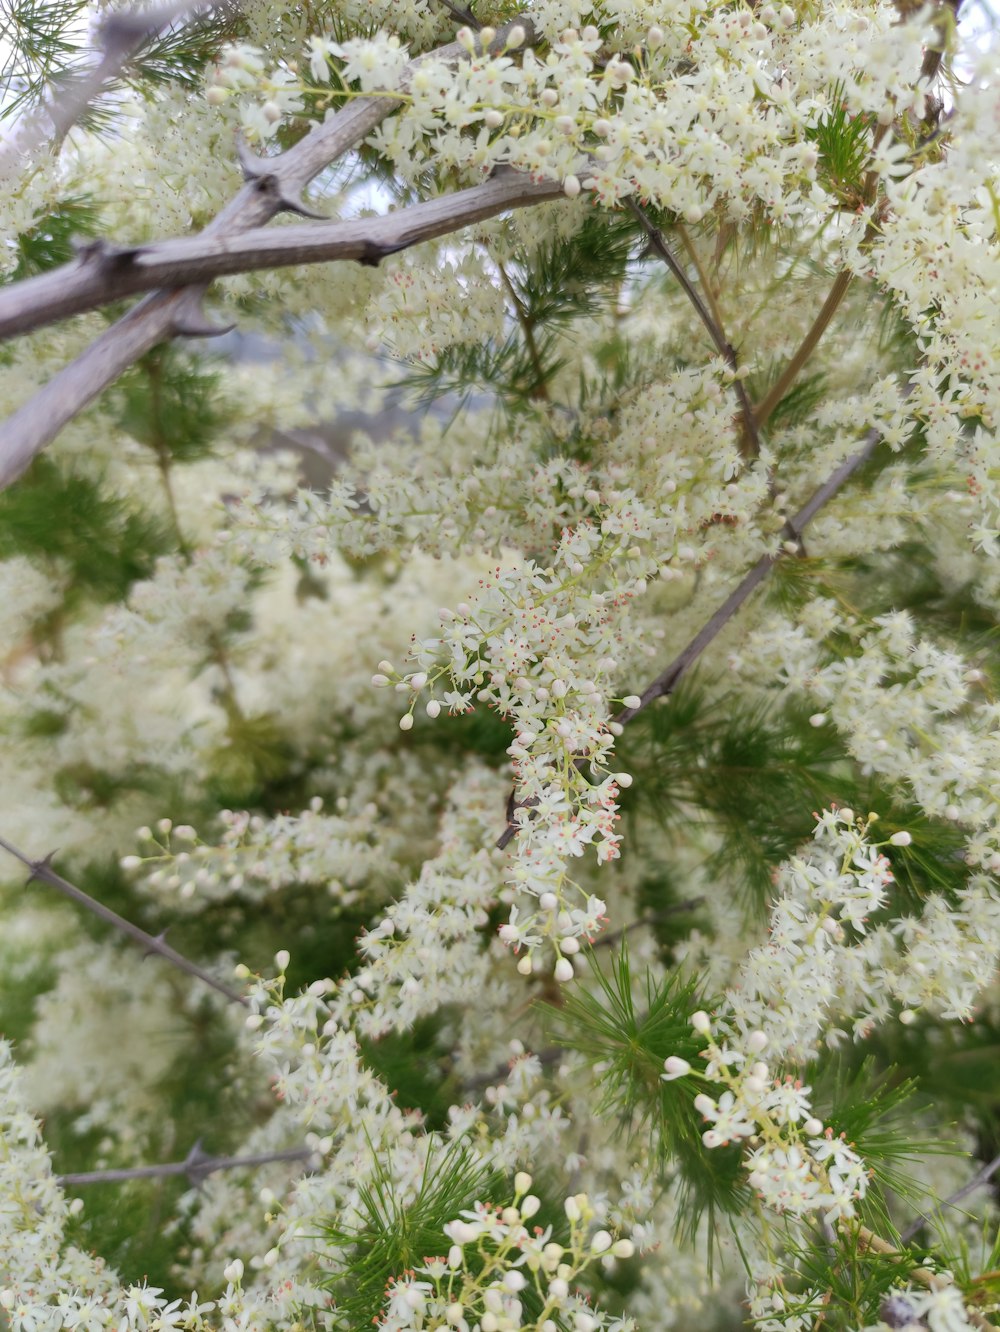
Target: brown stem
(666, 682)
(105, 273)
(465, 16)
(706, 285)
(867, 1239)
(806, 348)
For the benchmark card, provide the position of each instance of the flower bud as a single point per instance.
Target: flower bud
(675, 1068)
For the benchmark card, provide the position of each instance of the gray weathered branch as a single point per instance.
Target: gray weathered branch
(121, 37)
(195, 1167)
(273, 185)
(668, 680)
(42, 870)
(104, 273)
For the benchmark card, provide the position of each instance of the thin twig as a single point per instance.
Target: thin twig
(982, 1176)
(195, 1167)
(725, 348)
(43, 871)
(273, 184)
(805, 349)
(666, 682)
(103, 273)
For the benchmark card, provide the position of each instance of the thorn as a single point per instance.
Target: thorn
(251, 165)
(38, 867)
(375, 253)
(260, 170)
(97, 251)
(291, 204)
(191, 321)
(194, 1164)
(157, 938)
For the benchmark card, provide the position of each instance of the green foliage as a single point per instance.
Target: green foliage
(395, 1233)
(254, 754)
(841, 1283)
(550, 288)
(179, 54)
(844, 143)
(627, 1038)
(411, 1065)
(38, 39)
(171, 403)
(873, 1110)
(49, 242)
(96, 543)
(84, 786)
(755, 773)
(799, 403)
(957, 1067)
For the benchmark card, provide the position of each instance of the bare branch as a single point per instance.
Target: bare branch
(121, 36)
(982, 1176)
(275, 184)
(667, 681)
(105, 273)
(725, 348)
(43, 871)
(196, 1166)
(788, 376)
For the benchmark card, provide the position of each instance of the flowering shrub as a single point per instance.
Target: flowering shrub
(505, 742)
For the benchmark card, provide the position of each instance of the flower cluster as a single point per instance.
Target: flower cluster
(496, 1262)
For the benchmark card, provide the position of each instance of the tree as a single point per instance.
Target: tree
(622, 952)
